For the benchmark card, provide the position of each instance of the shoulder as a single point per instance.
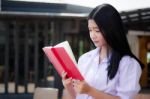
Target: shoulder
(85, 59)
(88, 54)
(129, 75)
(130, 63)
(128, 60)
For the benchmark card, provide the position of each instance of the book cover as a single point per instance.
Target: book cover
(62, 58)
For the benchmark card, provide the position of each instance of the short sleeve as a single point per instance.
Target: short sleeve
(129, 76)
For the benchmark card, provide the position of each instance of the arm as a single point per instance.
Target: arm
(83, 87)
(67, 95)
(70, 93)
(99, 94)
(129, 76)
(69, 90)
(127, 86)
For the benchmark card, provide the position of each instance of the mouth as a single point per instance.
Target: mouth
(95, 41)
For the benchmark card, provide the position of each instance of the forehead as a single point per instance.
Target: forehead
(92, 23)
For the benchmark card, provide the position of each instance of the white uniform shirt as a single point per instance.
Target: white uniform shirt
(125, 84)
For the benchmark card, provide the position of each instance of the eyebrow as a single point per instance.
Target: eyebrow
(94, 27)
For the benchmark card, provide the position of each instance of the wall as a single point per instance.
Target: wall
(138, 41)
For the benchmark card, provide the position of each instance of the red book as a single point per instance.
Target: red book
(62, 58)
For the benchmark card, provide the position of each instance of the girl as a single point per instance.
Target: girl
(110, 71)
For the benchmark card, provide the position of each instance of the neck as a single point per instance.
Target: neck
(103, 52)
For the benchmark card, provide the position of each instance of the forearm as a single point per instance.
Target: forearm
(71, 94)
(96, 94)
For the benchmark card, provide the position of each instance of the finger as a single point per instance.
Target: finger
(64, 75)
(75, 82)
(67, 81)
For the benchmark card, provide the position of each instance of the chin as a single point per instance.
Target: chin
(96, 45)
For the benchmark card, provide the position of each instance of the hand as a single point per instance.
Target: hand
(81, 86)
(67, 82)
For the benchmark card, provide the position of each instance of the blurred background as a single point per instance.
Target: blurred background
(28, 25)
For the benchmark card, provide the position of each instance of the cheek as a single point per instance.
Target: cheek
(91, 35)
(102, 40)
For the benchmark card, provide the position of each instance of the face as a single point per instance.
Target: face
(95, 34)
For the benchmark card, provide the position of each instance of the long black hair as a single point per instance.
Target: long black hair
(110, 24)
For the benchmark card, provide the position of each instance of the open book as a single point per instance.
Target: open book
(62, 58)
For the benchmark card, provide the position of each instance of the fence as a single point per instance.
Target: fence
(23, 63)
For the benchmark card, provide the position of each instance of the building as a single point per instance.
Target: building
(138, 24)
(26, 27)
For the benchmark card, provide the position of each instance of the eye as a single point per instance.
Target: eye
(90, 30)
(97, 31)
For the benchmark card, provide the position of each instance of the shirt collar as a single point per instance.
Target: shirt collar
(105, 60)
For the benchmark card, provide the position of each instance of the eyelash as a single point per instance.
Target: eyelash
(95, 31)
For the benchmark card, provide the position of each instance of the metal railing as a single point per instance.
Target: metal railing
(23, 55)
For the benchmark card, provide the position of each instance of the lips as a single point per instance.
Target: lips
(95, 41)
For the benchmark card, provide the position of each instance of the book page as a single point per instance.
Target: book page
(67, 47)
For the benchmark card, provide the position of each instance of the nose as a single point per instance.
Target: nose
(92, 35)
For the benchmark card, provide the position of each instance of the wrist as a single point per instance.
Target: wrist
(90, 90)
